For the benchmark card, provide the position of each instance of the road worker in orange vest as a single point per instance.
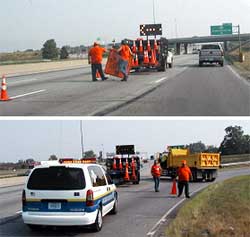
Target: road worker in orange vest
(184, 175)
(125, 53)
(95, 59)
(156, 173)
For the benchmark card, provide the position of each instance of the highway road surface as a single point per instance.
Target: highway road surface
(184, 90)
(140, 209)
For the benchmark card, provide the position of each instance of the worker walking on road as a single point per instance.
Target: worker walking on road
(156, 173)
(95, 59)
(123, 63)
(184, 173)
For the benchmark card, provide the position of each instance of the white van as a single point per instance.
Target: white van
(68, 193)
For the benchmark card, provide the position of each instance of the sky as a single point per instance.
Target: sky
(26, 24)
(38, 139)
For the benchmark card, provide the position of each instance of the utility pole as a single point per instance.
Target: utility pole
(154, 11)
(239, 39)
(82, 145)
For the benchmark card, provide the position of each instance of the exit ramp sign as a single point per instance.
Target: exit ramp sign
(224, 29)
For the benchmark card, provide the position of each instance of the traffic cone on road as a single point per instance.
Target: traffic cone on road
(4, 93)
(114, 164)
(155, 45)
(98, 76)
(120, 164)
(174, 188)
(148, 46)
(133, 177)
(126, 177)
(153, 58)
(136, 62)
(141, 47)
(145, 59)
(134, 48)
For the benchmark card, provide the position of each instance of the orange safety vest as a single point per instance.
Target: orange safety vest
(96, 54)
(184, 173)
(125, 52)
(156, 170)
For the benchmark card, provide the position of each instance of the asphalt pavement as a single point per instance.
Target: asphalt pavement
(140, 209)
(185, 89)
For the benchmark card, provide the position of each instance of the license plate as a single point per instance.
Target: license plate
(54, 206)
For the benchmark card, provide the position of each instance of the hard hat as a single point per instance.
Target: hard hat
(184, 162)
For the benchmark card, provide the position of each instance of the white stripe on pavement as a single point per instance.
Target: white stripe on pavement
(160, 80)
(30, 93)
(152, 232)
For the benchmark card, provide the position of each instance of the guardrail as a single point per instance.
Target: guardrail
(235, 158)
(235, 164)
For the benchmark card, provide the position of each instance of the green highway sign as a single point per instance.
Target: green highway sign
(224, 29)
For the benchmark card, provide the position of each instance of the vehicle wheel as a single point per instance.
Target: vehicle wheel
(222, 64)
(115, 207)
(97, 226)
(200, 64)
(34, 227)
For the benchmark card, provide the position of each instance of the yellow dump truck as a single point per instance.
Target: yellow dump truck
(204, 166)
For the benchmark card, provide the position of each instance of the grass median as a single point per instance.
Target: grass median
(222, 210)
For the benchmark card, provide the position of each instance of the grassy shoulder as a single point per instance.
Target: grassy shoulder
(220, 210)
(243, 67)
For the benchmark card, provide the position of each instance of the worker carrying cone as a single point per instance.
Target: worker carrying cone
(4, 93)
(174, 188)
(126, 177)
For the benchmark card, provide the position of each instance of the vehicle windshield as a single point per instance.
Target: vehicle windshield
(210, 46)
(57, 178)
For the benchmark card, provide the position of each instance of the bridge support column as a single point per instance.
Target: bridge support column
(178, 48)
(186, 48)
(225, 46)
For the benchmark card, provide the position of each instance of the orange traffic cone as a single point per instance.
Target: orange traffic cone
(153, 58)
(155, 45)
(120, 164)
(98, 76)
(114, 164)
(146, 59)
(4, 93)
(148, 46)
(141, 47)
(126, 177)
(136, 62)
(133, 177)
(134, 48)
(174, 188)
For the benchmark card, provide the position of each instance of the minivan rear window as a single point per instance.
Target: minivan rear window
(210, 46)
(57, 178)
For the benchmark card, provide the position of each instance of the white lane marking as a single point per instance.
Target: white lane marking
(21, 81)
(152, 232)
(18, 212)
(160, 80)
(234, 72)
(30, 93)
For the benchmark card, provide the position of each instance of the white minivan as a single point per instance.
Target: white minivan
(68, 192)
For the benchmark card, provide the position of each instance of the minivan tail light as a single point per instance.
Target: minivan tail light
(24, 198)
(90, 198)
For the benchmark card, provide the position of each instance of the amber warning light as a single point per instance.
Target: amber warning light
(82, 161)
(150, 29)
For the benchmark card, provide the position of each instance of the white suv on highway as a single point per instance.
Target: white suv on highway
(211, 53)
(68, 193)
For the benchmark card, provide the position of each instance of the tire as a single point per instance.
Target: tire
(34, 227)
(115, 207)
(162, 68)
(97, 226)
(222, 64)
(200, 64)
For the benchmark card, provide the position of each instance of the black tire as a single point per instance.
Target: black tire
(200, 64)
(162, 68)
(97, 226)
(34, 227)
(222, 64)
(115, 207)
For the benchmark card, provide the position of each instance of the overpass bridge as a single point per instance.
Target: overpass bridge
(207, 39)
